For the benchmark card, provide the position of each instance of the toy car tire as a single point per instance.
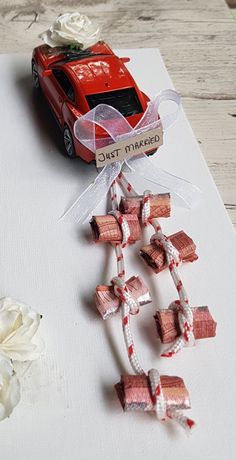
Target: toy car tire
(35, 76)
(68, 143)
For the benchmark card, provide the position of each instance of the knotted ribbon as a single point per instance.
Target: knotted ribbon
(118, 128)
(123, 225)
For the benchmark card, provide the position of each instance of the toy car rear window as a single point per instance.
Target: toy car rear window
(124, 100)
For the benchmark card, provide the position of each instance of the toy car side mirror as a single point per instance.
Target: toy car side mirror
(46, 73)
(125, 59)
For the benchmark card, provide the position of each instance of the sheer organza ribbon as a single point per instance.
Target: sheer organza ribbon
(118, 128)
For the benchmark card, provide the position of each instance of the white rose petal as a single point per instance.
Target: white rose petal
(18, 325)
(71, 29)
(9, 388)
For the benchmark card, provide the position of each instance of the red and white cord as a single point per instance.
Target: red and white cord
(130, 306)
(159, 403)
(185, 315)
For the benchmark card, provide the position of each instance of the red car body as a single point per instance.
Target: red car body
(75, 81)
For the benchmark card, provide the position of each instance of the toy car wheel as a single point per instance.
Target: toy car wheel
(68, 143)
(35, 76)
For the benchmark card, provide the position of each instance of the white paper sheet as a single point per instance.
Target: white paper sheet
(68, 408)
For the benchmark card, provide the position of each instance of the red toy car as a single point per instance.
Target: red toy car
(75, 81)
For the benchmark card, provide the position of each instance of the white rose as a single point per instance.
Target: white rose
(71, 29)
(18, 325)
(9, 388)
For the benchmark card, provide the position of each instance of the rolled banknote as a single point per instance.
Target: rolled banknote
(108, 304)
(134, 392)
(106, 229)
(155, 257)
(168, 329)
(159, 205)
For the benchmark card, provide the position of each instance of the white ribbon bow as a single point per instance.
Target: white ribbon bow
(118, 128)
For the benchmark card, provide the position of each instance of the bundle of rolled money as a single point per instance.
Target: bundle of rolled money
(134, 392)
(106, 229)
(159, 205)
(168, 328)
(155, 257)
(108, 303)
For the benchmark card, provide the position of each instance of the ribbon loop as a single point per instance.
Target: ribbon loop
(171, 252)
(124, 227)
(185, 318)
(146, 208)
(161, 408)
(108, 118)
(150, 118)
(158, 399)
(123, 293)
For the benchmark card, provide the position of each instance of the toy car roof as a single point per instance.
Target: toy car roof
(68, 54)
(96, 69)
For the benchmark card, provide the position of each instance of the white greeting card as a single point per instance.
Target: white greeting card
(68, 407)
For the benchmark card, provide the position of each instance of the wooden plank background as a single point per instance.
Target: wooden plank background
(198, 42)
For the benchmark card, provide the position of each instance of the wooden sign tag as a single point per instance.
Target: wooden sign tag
(135, 145)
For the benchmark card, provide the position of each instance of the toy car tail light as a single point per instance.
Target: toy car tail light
(46, 73)
(125, 59)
